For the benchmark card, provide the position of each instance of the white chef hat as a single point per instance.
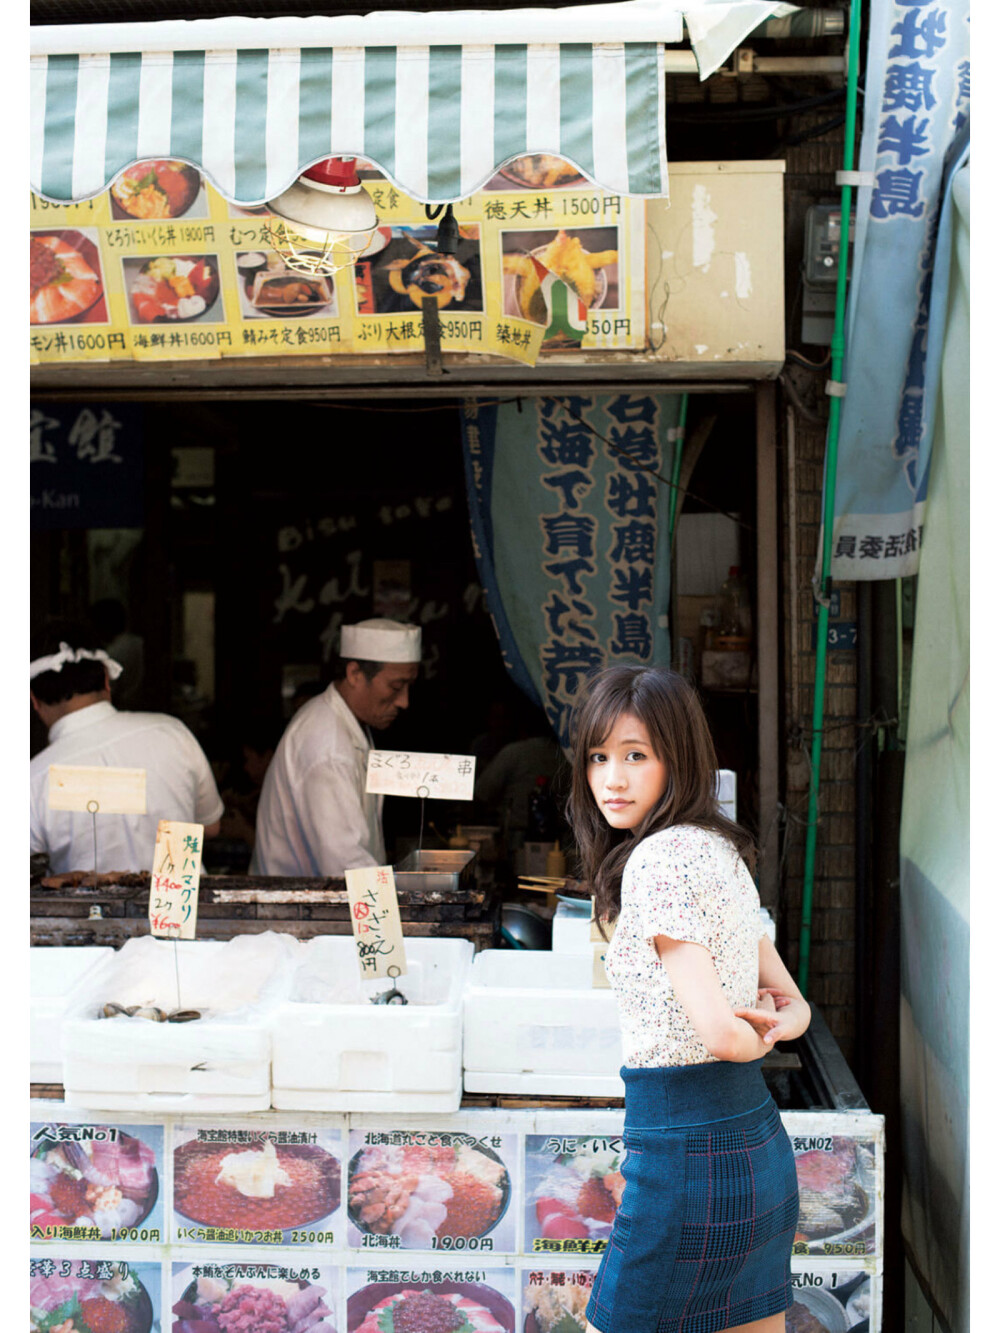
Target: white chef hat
(380, 641)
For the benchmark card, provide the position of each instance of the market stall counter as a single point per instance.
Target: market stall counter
(373, 1222)
(491, 1217)
(81, 908)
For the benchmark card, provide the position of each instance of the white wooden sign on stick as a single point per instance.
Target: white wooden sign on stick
(97, 791)
(378, 934)
(441, 777)
(173, 885)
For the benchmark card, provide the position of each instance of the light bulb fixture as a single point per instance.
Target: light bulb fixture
(324, 221)
(447, 232)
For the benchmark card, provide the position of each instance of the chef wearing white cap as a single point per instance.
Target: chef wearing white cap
(315, 817)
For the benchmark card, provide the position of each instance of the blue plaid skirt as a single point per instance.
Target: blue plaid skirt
(702, 1240)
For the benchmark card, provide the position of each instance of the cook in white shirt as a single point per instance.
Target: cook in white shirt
(315, 817)
(71, 692)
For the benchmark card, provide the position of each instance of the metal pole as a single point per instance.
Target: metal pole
(829, 497)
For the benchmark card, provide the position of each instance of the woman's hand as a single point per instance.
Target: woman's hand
(762, 1020)
(777, 1017)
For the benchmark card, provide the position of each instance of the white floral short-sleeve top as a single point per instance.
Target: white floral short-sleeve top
(689, 884)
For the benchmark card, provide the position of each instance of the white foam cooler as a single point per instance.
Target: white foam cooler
(221, 1062)
(353, 1055)
(54, 973)
(571, 930)
(535, 1024)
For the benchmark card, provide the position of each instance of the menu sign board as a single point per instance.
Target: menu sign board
(257, 1185)
(431, 1190)
(440, 777)
(378, 932)
(572, 1187)
(119, 1293)
(840, 1191)
(96, 1182)
(426, 1296)
(162, 268)
(173, 885)
(227, 1294)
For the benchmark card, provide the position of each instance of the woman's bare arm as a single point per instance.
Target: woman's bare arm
(697, 986)
(793, 1012)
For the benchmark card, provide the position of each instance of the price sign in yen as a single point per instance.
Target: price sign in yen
(173, 885)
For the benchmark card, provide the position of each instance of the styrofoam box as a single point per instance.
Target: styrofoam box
(221, 1062)
(535, 1024)
(359, 1056)
(54, 973)
(571, 930)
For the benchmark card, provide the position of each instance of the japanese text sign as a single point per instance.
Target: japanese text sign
(442, 777)
(97, 791)
(378, 935)
(173, 886)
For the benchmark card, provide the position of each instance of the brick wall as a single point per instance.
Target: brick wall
(810, 178)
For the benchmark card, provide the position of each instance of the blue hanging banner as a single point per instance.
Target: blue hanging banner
(569, 510)
(86, 466)
(916, 134)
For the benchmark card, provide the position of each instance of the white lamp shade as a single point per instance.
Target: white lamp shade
(316, 211)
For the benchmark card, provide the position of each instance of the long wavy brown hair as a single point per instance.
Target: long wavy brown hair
(669, 709)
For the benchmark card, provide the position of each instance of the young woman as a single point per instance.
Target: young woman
(702, 1240)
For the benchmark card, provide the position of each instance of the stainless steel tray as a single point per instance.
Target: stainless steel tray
(435, 869)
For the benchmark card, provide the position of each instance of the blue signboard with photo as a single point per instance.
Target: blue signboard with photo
(86, 466)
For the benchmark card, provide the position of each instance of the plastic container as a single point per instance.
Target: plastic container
(535, 1024)
(54, 973)
(221, 1062)
(571, 929)
(344, 1053)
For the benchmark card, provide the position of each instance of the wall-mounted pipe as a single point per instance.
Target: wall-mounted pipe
(748, 62)
(829, 508)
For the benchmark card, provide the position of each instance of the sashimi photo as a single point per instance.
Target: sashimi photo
(94, 1176)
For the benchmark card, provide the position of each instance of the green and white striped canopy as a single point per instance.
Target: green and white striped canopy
(251, 111)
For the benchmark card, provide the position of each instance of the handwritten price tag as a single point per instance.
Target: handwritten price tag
(378, 935)
(173, 886)
(98, 791)
(600, 945)
(442, 777)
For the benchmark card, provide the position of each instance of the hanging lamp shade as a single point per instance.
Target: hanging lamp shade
(324, 221)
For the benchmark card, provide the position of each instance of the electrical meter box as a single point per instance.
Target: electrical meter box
(819, 271)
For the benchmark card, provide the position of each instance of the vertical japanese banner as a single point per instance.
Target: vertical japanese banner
(916, 130)
(568, 499)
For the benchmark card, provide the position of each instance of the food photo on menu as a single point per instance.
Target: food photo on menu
(538, 171)
(173, 289)
(67, 286)
(100, 1177)
(156, 189)
(585, 258)
(94, 1295)
(573, 1186)
(475, 1301)
(837, 1196)
(431, 1191)
(268, 289)
(396, 280)
(220, 1298)
(830, 1303)
(250, 1183)
(556, 1301)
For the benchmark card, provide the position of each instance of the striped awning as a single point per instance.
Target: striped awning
(438, 101)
